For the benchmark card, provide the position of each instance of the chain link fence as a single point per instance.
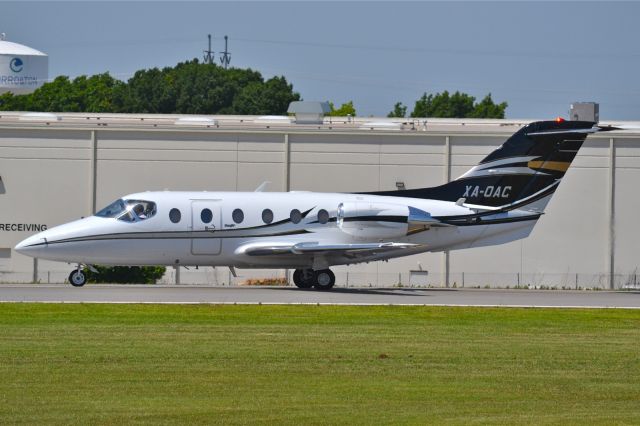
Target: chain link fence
(565, 281)
(222, 277)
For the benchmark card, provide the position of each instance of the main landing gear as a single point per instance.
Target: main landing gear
(322, 279)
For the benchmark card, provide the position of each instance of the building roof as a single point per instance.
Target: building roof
(10, 48)
(249, 123)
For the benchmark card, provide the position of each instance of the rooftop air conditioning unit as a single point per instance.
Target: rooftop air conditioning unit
(584, 111)
(309, 112)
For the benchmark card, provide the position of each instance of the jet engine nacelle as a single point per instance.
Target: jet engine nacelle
(373, 220)
(381, 220)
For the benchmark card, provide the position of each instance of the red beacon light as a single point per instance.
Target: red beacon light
(559, 120)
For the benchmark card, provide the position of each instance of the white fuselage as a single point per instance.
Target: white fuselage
(216, 239)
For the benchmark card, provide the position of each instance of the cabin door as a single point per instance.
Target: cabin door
(206, 222)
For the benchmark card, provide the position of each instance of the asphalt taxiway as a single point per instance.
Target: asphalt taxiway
(107, 293)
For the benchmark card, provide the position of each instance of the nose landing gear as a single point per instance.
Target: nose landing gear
(77, 277)
(322, 279)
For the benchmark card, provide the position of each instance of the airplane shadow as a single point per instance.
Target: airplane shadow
(421, 292)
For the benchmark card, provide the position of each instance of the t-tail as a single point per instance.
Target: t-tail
(521, 174)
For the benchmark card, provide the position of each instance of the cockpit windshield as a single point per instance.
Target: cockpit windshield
(129, 210)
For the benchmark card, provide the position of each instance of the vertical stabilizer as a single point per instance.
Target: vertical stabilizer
(522, 173)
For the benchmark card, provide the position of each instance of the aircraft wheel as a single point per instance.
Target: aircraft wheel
(324, 279)
(77, 278)
(303, 278)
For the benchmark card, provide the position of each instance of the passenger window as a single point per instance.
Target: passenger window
(267, 216)
(206, 216)
(323, 216)
(175, 215)
(237, 215)
(295, 216)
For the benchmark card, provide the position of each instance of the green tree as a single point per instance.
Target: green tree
(488, 109)
(344, 110)
(149, 91)
(56, 96)
(11, 102)
(270, 97)
(188, 88)
(399, 111)
(98, 93)
(457, 105)
(195, 88)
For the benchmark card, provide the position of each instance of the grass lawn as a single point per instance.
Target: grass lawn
(111, 364)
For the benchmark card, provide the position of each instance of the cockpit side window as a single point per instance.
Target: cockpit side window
(129, 210)
(138, 210)
(127, 216)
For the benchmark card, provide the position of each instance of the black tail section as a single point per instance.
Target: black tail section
(525, 170)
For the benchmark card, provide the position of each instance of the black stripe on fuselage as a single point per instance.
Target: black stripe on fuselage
(467, 220)
(550, 190)
(166, 235)
(394, 219)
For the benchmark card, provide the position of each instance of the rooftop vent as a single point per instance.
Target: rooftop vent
(195, 121)
(309, 112)
(39, 116)
(272, 119)
(381, 125)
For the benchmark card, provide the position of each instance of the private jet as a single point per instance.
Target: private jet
(497, 201)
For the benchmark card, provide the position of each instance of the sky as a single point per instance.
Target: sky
(537, 56)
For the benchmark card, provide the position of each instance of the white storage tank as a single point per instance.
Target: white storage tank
(22, 69)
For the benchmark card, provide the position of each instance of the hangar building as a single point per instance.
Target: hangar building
(58, 167)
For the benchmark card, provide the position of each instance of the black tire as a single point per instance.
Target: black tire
(324, 279)
(300, 282)
(77, 278)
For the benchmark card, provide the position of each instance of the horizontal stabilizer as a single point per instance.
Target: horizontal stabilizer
(594, 129)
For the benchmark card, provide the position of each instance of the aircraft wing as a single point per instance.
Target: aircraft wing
(349, 250)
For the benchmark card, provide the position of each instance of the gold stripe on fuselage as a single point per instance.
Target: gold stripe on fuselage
(559, 166)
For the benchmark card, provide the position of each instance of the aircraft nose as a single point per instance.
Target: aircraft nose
(20, 247)
(31, 246)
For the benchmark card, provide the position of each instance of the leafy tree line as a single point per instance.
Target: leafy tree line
(344, 110)
(188, 88)
(440, 105)
(192, 87)
(457, 105)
